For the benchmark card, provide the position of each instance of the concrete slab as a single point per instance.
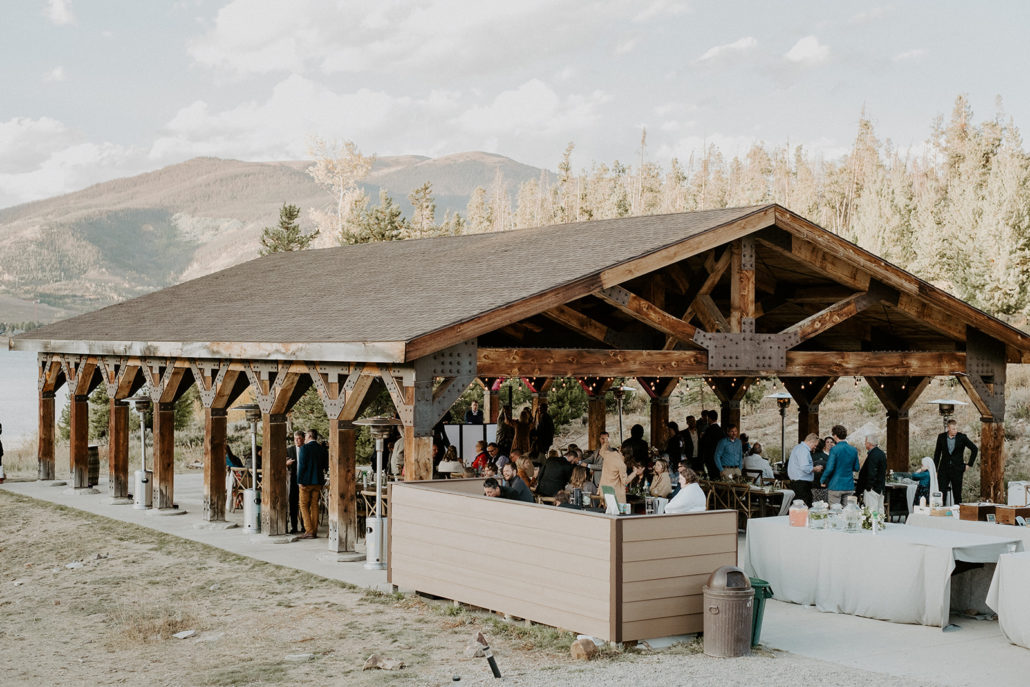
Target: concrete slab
(305, 554)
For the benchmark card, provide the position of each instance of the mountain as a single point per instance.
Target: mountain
(127, 237)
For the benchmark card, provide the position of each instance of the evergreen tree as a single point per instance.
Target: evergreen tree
(287, 236)
(385, 222)
(478, 213)
(423, 218)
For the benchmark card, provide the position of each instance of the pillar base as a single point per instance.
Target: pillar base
(342, 557)
(81, 491)
(215, 525)
(274, 539)
(119, 501)
(166, 511)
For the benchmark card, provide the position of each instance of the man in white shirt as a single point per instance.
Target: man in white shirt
(799, 468)
(755, 461)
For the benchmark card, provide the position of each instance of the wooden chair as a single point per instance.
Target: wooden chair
(239, 479)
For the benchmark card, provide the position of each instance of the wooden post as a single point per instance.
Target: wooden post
(214, 464)
(78, 450)
(343, 516)
(118, 450)
(275, 487)
(898, 395)
(659, 422)
(597, 391)
(45, 449)
(164, 455)
(729, 392)
(808, 393)
(418, 456)
(992, 460)
(897, 440)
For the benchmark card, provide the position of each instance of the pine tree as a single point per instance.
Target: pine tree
(423, 218)
(478, 212)
(385, 222)
(287, 236)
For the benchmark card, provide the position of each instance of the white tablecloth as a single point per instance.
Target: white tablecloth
(902, 574)
(1009, 597)
(991, 529)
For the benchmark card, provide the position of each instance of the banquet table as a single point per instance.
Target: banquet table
(1009, 598)
(901, 574)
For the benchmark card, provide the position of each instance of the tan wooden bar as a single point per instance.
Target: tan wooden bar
(617, 578)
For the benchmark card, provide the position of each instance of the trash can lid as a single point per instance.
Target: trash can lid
(728, 577)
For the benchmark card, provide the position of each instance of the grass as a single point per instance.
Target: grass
(141, 620)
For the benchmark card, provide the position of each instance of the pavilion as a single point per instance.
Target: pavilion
(729, 295)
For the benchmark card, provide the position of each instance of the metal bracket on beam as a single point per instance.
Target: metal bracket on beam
(746, 350)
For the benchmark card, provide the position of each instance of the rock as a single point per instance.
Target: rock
(100, 556)
(214, 587)
(475, 651)
(299, 658)
(381, 662)
(184, 634)
(73, 565)
(18, 583)
(583, 649)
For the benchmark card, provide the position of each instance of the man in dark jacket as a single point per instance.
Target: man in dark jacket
(635, 448)
(311, 459)
(491, 487)
(872, 478)
(709, 440)
(948, 456)
(291, 467)
(554, 475)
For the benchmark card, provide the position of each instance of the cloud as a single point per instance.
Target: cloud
(737, 47)
(279, 127)
(659, 8)
(871, 15)
(533, 107)
(913, 54)
(624, 47)
(59, 12)
(55, 74)
(44, 157)
(453, 37)
(808, 50)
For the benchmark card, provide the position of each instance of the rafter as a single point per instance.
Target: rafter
(830, 317)
(589, 327)
(644, 311)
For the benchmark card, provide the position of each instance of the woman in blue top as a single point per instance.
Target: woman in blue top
(841, 466)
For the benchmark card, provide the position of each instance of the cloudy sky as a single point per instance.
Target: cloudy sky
(98, 89)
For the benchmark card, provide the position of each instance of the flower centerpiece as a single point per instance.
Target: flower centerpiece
(868, 516)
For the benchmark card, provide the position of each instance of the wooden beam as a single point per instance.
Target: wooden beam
(590, 328)
(275, 483)
(45, 461)
(650, 314)
(710, 315)
(742, 285)
(715, 272)
(213, 501)
(898, 395)
(992, 461)
(830, 317)
(557, 362)
(825, 263)
(808, 393)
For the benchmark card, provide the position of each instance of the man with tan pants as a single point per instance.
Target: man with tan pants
(310, 462)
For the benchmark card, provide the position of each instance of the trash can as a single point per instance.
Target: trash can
(728, 602)
(763, 591)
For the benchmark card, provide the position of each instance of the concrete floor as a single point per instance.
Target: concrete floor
(976, 653)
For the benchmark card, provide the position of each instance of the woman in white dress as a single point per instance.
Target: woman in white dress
(690, 498)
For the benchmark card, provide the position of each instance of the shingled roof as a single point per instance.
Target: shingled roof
(366, 302)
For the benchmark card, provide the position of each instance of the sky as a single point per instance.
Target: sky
(92, 90)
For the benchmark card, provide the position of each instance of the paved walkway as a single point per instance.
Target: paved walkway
(974, 654)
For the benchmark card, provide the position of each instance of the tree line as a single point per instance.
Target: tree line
(954, 211)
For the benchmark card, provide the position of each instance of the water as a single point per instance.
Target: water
(19, 410)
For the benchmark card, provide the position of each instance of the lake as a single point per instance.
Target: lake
(19, 409)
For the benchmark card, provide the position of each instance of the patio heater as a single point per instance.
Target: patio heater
(619, 392)
(946, 407)
(782, 402)
(251, 496)
(375, 544)
(143, 493)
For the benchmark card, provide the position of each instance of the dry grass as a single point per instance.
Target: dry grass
(142, 619)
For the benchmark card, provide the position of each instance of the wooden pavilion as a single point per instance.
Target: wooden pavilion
(729, 295)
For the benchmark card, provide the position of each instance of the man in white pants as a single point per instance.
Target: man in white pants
(873, 475)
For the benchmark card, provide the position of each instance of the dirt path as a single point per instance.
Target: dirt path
(87, 600)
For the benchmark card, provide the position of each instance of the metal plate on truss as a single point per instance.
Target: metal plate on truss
(746, 350)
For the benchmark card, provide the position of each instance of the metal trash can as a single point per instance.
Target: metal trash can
(763, 591)
(92, 466)
(728, 601)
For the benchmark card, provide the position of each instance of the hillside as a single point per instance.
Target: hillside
(126, 237)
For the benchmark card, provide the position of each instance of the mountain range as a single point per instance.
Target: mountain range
(123, 238)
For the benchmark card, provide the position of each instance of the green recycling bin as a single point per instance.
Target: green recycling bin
(763, 591)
